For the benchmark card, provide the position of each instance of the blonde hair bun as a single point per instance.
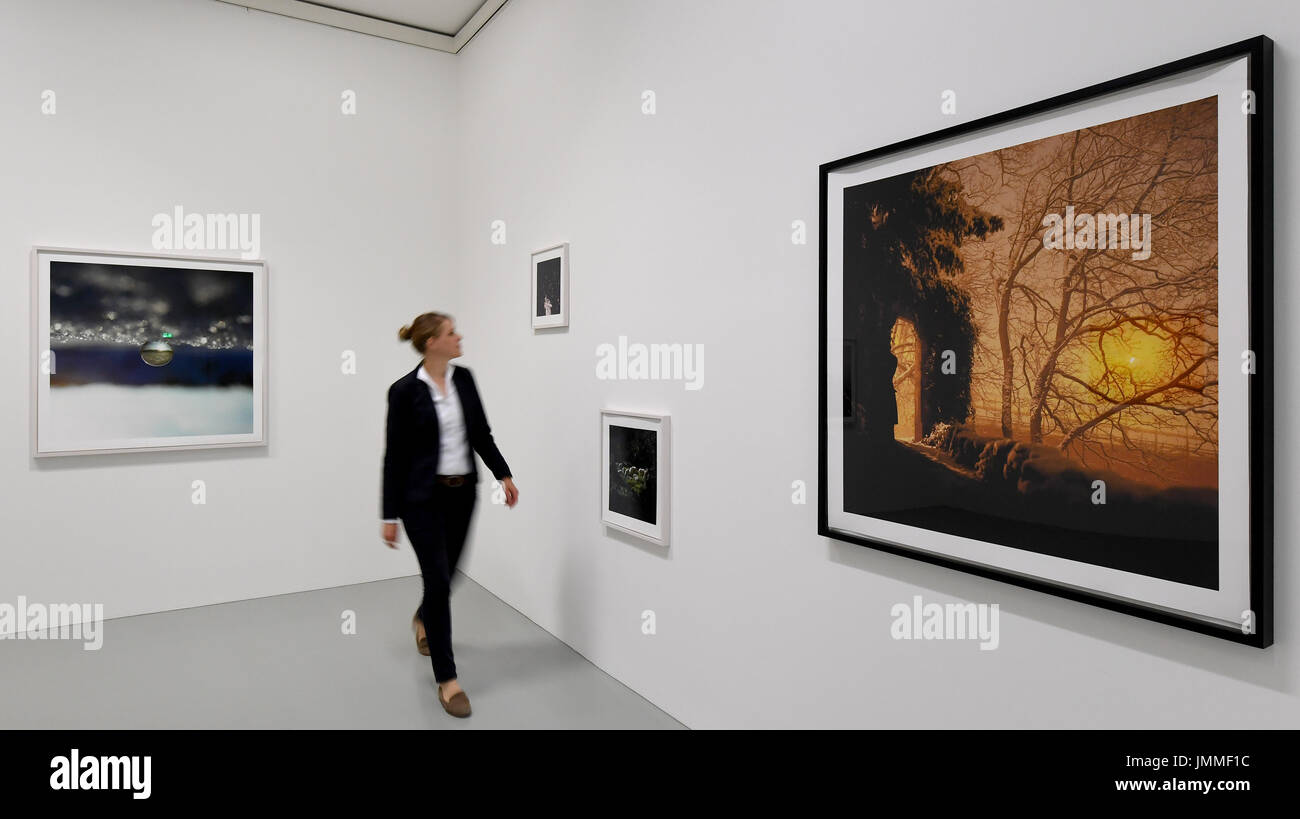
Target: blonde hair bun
(424, 327)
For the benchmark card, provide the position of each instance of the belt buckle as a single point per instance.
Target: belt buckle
(453, 480)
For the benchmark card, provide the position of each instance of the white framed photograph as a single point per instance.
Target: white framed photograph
(146, 352)
(635, 473)
(550, 286)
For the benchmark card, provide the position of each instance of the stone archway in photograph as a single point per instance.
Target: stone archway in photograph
(905, 344)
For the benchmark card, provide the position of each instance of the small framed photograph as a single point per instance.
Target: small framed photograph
(550, 277)
(146, 352)
(635, 471)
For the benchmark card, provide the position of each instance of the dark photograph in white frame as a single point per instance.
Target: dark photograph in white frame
(146, 352)
(635, 473)
(550, 287)
(1061, 331)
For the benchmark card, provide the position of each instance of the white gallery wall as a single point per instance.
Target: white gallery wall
(680, 232)
(205, 105)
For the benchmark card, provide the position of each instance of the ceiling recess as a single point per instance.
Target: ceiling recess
(400, 20)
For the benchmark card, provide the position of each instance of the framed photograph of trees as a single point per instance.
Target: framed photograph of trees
(1046, 351)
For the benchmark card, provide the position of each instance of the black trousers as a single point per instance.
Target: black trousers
(437, 531)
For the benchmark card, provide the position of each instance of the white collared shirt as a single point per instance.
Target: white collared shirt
(453, 443)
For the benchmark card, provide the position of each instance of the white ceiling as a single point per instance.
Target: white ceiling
(445, 25)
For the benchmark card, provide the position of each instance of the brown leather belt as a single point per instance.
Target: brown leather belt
(453, 480)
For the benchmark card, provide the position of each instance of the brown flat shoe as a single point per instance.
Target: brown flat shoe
(457, 706)
(421, 643)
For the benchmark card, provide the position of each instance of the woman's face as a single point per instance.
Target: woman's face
(445, 345)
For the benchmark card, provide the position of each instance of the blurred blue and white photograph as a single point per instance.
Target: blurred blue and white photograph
(147, 352)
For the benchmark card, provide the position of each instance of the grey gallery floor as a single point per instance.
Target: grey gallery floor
(283, 662)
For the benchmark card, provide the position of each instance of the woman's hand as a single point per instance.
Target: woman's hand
(512, 493)
(389, 534)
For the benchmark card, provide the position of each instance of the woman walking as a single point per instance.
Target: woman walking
(435, 425)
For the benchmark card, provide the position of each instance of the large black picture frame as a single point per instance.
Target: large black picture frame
(1258, 54)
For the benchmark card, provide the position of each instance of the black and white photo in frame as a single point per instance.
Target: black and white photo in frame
(550, 291)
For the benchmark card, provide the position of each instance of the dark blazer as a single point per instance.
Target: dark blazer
(412, 440)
